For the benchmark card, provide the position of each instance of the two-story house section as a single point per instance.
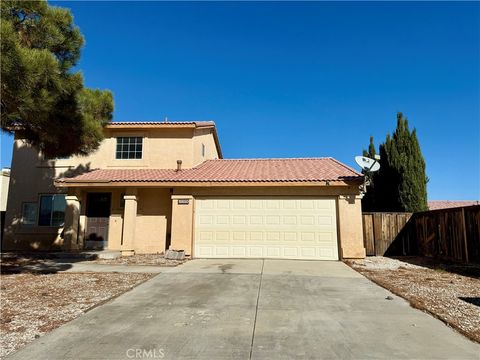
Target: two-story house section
(151, 186)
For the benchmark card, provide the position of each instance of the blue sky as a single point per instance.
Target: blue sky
(297, 79)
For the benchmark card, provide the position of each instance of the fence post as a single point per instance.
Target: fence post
(465, 240)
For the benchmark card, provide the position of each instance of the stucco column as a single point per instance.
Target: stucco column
(70, 228)
(182, 223)
(351, 226)
(129, 223)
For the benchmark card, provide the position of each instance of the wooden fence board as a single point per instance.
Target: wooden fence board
(450, 234)
(368, 236)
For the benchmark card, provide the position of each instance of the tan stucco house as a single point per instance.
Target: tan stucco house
(153, 186)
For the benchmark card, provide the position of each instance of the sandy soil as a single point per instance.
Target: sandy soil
(450, 292)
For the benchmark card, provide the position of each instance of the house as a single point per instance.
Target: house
(449, 204)
(153, 186)
(4, 184)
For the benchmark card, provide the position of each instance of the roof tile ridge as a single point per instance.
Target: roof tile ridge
(345, 166)
(272, 159)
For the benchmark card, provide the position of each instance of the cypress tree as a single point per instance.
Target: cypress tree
(368, 201)
(401, 183)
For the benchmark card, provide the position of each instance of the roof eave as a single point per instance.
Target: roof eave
(148, 126)
(154, 183)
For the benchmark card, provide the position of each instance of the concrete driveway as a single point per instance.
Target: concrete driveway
(254, 309)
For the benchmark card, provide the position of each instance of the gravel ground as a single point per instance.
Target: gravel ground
(453, 297)
(147, 259)
(34, 304)
(16, 262)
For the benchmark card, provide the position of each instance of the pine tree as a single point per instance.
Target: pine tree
(401, 183)
(42, 99)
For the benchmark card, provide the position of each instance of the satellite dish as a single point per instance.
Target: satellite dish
(367, 164)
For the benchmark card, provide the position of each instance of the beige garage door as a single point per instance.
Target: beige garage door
(261, 227)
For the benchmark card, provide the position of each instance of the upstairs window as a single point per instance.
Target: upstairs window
(52, 210)
(129, 147)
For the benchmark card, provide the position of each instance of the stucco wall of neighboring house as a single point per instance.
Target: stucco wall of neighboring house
(4, 183)
(349, 214)
(32, 175)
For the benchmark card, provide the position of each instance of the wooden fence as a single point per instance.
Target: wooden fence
(381, 229)
(449, 234)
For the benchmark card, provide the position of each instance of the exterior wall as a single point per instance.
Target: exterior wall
(153, 221)
(182, 223)
(204, 137)
(32, 176)
(349, 214)
(350, 227)
(161, 150)
(29, 178)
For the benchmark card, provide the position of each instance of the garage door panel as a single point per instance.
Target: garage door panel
(256, 220)
(273, 252)
(222, 220)
(205, 220)
(255, 251)
(221, 251)
(239, 251)
(222, 235)
(281, 227)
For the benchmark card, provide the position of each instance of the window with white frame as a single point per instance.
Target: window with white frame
(29, 213)
(129, 147)
(52, 210)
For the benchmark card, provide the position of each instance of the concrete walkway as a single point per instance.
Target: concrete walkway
(254, 309)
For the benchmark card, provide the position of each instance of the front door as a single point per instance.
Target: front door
(98, 215)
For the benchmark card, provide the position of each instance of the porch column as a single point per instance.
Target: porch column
(129, 222)
(72, 219)
(182, 223)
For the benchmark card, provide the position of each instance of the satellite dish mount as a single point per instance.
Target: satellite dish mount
(369, 166)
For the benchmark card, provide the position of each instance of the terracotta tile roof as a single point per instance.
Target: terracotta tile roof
(448, 204)
(241, 170)
(169, 123)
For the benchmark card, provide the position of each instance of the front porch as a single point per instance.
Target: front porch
(130, 220)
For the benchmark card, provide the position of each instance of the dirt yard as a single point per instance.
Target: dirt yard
(449, 292)
(50, 262)
(34, 304)
(147, 259)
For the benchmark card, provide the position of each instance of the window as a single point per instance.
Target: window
(52, 210)
(29, 213)
(203, 150)
(129, 148)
